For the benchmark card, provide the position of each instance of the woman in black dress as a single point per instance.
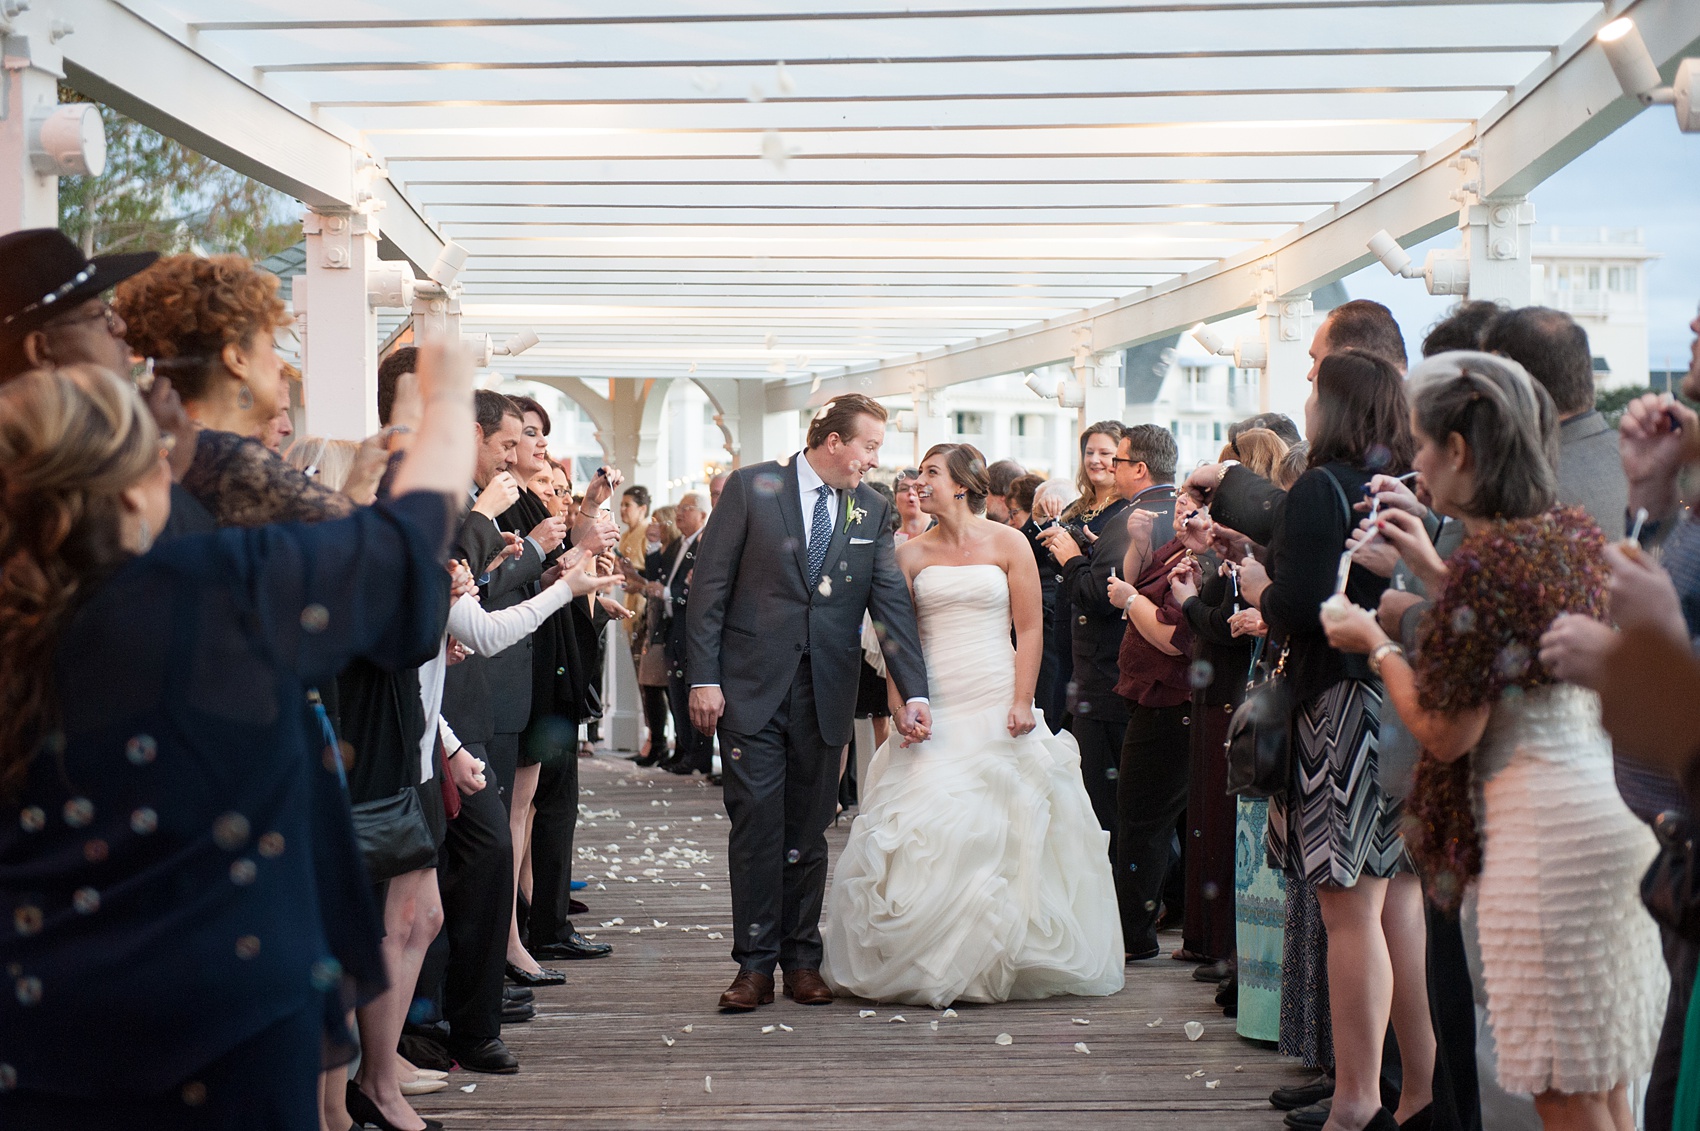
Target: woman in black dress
(157, 839)
(1336, 829)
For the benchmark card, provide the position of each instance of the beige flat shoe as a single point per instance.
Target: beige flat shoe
(423, 1087)
(429, 1074)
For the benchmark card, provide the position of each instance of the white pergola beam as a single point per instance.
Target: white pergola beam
(1564, 107)
(144, 65)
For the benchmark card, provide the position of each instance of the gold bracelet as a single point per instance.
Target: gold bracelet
(1386, 647)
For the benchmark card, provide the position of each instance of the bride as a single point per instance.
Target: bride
(976, 870)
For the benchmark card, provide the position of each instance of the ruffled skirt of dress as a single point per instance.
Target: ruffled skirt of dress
(1571, 961)
(975, 871)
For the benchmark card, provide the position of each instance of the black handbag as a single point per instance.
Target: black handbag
(1669, 888)
(393, 836)
(1260, 734)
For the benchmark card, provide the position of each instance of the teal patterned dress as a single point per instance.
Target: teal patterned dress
(1260, 912)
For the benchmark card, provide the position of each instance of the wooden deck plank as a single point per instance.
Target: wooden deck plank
(595, 1056)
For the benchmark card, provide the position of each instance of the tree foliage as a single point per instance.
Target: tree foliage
(1612, 402)
(158, 195)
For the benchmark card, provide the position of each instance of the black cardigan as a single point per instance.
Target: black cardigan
(1311, 529)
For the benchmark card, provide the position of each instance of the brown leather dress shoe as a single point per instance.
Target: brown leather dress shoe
(747, 991)
(807, 987)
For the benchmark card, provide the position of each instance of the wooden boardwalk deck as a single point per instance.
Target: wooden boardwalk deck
(598, 1056)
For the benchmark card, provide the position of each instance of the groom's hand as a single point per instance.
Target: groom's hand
(707, 705)
(915, 723)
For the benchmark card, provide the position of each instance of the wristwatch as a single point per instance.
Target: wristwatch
(1381, 651)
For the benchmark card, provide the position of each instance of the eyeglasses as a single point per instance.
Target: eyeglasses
(1114, 460)
(114, 323)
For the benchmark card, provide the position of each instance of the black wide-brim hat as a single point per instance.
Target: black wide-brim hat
(43, 273)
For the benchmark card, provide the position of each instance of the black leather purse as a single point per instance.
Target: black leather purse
(392, 833)
(1669, 888)
(1260, 734)
(393, 836)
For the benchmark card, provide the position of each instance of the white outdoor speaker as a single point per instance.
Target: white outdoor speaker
(68, 140)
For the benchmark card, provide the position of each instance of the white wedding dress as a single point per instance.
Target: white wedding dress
(976, 870)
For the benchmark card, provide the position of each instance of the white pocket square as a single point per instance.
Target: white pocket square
(861, 541)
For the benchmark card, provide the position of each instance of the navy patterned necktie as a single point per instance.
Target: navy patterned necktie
(820, 533)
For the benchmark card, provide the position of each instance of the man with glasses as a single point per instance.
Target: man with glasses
(52, 314)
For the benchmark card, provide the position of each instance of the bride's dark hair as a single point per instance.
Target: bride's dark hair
(967, 468)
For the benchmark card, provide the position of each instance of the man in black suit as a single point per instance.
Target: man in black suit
(778, 593)
(693, 750)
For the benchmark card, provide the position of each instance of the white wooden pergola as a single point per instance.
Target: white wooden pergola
(784, 200)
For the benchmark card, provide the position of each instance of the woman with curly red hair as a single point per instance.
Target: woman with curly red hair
(1570, 959)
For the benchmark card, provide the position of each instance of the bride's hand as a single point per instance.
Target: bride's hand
(1020, 719)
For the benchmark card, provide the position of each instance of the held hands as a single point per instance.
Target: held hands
(707, 705)
(1020, 719)
(1247, 622)
(914, 721)
(498, 495)
(1354, 631)
(461, 581)
(455, 652)
(1575, 649)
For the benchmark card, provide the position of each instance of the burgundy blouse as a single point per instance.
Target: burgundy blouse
(1151, 677)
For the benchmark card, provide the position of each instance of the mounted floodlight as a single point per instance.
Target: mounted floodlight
(450, 261)
(1632, 63)
(1046, 387)
(903, 422)
(1393, 257)
(1071, 394)
(1247, 354)
(67, 140)
(1212, 341)
(518, 344)
(1443, 272)
(491, 381)
(1639, 76)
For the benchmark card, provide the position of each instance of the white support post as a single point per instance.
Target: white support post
(436, 310)
(1100, 378)
(932, 420)
(29, 84)
(636, 421)
(1285, 326)
(1498, 233)
(339, 327)
(764, 435)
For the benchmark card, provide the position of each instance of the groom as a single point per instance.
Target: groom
(794, 554)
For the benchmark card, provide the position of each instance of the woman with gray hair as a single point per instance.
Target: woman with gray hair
(1570, 959)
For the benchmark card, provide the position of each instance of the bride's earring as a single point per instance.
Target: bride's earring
(244, 398)
(960, 495)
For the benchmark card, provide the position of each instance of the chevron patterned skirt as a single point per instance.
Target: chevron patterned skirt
(1335, 822)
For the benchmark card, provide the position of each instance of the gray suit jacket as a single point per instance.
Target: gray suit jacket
(1590, 471)
(751, 614)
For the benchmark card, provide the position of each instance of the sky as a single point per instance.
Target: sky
(1646, 175)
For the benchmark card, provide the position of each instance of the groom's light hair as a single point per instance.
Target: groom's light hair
(840, 415)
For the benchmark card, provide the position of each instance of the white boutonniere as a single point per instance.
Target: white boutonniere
(854, 513)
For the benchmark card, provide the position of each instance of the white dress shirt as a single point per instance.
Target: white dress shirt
(808, 488)
(685, 544)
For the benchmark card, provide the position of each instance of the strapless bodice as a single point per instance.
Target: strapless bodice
(963, 613)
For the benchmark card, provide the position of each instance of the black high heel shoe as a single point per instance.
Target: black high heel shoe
(365, 1113)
